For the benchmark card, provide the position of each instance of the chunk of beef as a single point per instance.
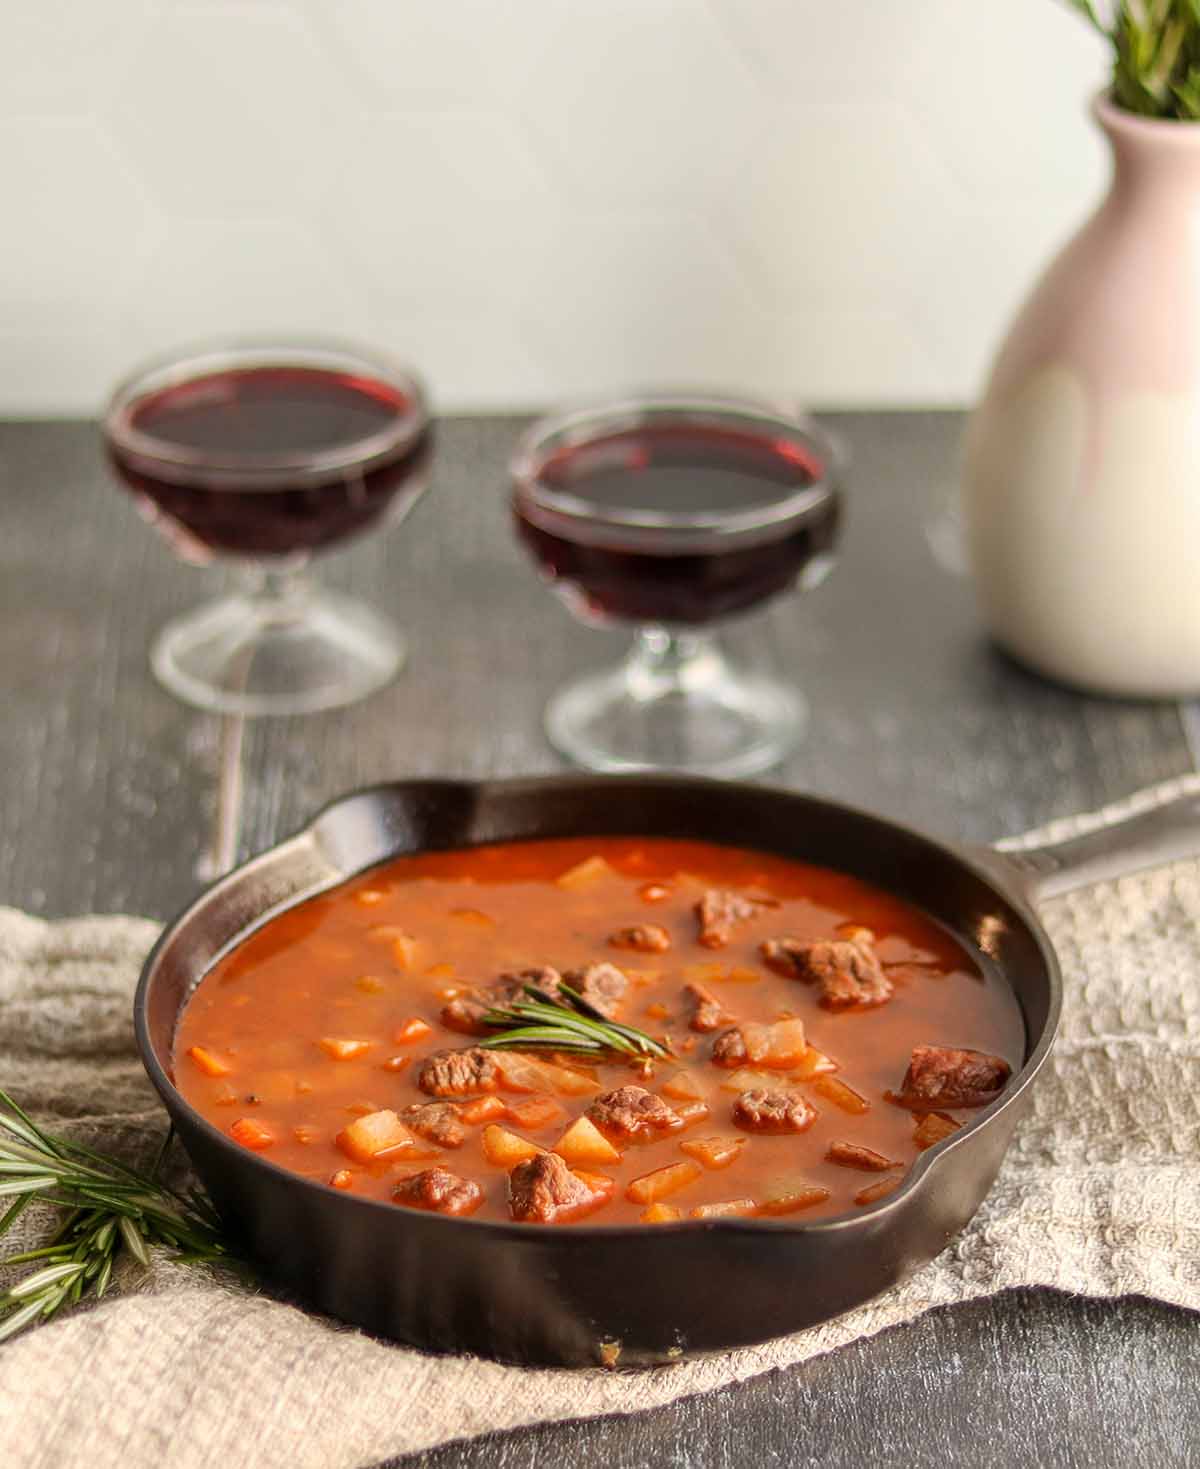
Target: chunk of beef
(440, 1191)
(632, 1114)
(601, 985)
(436, 1122)
(941, 1076)
(645, 938)
(852, 1155)
(543, 1189)
(847, 971)
(707, 1013)
(729, 1049)
(465, 1012)
(459, 1073)
(764, 1111)
(721, 909)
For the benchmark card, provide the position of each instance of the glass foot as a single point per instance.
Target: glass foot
(676, 704)
(291, 652)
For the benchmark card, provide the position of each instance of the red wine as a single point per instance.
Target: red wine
(269, 461)
(623, 510)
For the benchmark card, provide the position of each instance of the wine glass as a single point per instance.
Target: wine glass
(263, 454)
(672, 513)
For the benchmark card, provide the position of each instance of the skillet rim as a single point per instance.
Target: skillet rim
(985, 864)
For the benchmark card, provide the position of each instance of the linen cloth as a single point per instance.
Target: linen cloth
(1100, 1195)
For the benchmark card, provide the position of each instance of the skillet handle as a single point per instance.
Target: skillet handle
(1161, 825)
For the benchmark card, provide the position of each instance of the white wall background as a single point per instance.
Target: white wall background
(840, 199)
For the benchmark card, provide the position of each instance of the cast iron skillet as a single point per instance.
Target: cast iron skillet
(537, 1293)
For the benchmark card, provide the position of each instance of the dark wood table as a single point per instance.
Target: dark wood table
(109, 802)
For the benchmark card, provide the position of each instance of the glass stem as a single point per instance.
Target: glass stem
(279, 592)
(662, 663)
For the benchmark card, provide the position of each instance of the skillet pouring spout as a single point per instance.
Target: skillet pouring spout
(592, 1293)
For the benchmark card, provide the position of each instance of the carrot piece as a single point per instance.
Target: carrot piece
(651, 1187)
(728, 1208)
(343, 1178)
(208, 1063)
(404, 951)
(875, 1191)
(251, 1134)
(413, 1029)
(339, 1049)
(932, 1128)
(397, 1063)
(535, 1112)
(794, 1201)
(660, 1214)
(854, 1155)
(584, 873)
(713, 1152)
(841, 1095)
(482, 1109)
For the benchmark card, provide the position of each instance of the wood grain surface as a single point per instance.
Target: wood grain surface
(108, 802)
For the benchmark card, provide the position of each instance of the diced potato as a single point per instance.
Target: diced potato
(208, 1062)
(473, 917)
(370, 984)
(932, 1128)
(681, 1086)
(745, 1079)
(505, 1149)
(792, 1201)
(841, 1095)
(584, 873)
(535, 1112)
(397, 1063)
(813, 1063)
(527, 1074)
(713, 1152)
(482, 1109)
(369, 897)
(340, 1049)
(651, 1187)
(404, 951)
(251, 1134)
(583, 1145)
(690, 1112)
(601, 1185)
(411, 1030)
(875, 1191)
(373, 1136)
(726, 1209)
(779, 1046)
(661, 1214)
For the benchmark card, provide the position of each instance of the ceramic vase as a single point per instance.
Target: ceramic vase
(1082, 462)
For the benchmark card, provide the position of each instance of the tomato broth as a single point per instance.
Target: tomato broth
(343, 1040)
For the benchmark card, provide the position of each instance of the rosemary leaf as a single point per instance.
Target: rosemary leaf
(563, 1024)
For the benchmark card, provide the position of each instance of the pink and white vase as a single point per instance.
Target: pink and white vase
(1082, 462)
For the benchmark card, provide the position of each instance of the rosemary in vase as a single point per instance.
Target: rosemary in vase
(1156, 54)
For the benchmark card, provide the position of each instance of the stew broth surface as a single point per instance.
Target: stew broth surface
(395, 943)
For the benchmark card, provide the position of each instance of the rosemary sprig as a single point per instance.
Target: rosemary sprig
(1156, 54)
(565, 1025)
(111, 1210)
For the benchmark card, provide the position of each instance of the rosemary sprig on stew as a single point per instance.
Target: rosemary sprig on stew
(111, 1210)
(540, 1023)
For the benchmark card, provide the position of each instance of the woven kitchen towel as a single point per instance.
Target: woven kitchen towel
(1100, 1195)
